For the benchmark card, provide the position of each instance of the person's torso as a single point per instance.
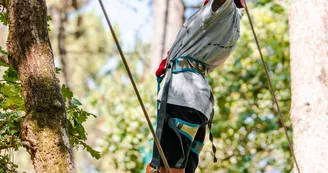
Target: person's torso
(209, 37)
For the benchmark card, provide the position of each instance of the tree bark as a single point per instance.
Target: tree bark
(309, 71)
(43, 131)
(174, 22)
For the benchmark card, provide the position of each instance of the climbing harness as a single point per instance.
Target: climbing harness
(160, 150)
(186, 63)
(177, 65)
(271, 88)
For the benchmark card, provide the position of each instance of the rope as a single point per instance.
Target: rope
(271, 89)
(136, 90)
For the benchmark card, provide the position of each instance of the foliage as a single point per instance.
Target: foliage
(83, 50)
(126, 138)
(6, 165)
(87, 49)
(12, 110)
(248, 133)
(3, 51)
(76, 117)
(49, 18)
(4, 16)
(12, 114)
(11, 105)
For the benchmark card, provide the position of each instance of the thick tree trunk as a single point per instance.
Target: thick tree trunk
(309, 70)
(174, 22)
(43, 131)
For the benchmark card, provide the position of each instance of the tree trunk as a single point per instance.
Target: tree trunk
(62, 15)
(174, 22)
(43, 132)
(309, 70)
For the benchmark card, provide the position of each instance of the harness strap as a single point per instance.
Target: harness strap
(162, 115)
(176, 131)
(209, 123)
(186, 63)
(197, 147)
(215, 159)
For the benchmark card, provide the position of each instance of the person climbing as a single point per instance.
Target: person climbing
(186, 101)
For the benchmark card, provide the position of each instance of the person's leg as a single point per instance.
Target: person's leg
(186, 125)
(196, 148)
(174, 149)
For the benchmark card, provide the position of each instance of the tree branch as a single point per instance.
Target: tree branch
(5, 147)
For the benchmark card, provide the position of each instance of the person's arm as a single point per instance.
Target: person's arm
(216, 4)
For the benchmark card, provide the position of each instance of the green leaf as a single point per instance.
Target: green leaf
(7, 90)
(3, 51)
(67, 93)
(94, 153)
(10, 75)
(58, 70)
(83, 117)
(4, 18)
(49, 18)
(263, 2)
(76, 102)
(277, 9)
(48, 27)
(3, 64)
(94, 102)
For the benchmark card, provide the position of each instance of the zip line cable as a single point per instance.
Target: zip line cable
(157, 143)
(272, 89)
